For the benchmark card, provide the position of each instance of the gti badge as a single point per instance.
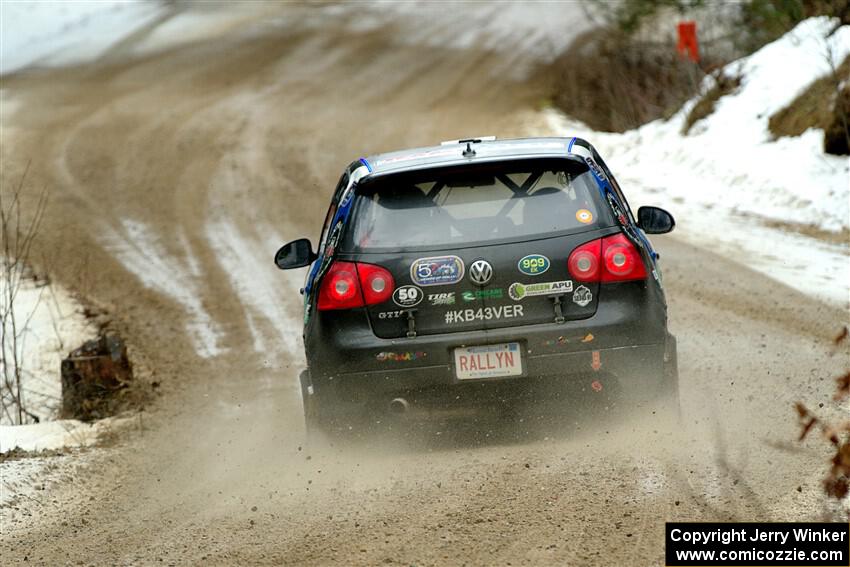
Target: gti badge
(480, 272)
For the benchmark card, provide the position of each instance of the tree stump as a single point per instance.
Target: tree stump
(91, 377)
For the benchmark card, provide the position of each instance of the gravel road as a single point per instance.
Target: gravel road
(175, 176)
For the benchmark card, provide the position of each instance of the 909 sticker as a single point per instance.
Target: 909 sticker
(533, 264)
(437, 270)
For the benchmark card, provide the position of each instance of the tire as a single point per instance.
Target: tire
(325, 420)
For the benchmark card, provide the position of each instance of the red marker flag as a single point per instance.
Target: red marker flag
(688, 46)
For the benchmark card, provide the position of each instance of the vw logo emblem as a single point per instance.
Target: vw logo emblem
(480, 272)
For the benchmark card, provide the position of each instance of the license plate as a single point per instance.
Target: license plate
(488, 361)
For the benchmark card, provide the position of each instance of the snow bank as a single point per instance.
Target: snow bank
(732, 188)
(60, 33)
(52, 435)
(50, 323)
(790, 179)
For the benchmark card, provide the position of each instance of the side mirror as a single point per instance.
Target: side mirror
(295, 254)
(653, 220)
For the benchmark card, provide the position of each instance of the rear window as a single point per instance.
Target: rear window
(472, 207)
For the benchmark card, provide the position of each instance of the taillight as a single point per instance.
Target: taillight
(348, 285)
(584, 261)
(622, 261)
(377, 283)
(340, 288)
(610, 259)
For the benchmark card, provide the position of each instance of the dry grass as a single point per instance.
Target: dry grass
(613, 82)
(816, 107)
(836, 484)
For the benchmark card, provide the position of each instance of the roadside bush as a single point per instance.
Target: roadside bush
(766, 20)
(825, 105)
(613, 82)
(614, 79)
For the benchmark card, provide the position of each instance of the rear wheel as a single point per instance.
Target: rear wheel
(664, 404)
(327, 419)
(648, 393)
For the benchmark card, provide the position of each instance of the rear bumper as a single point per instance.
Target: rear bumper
(624, 341)
(635, 371)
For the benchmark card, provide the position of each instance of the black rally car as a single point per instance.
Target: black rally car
(482, 270)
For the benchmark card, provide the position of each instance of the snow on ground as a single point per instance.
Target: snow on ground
(60, 33)
(728, 183)
(533, 31)
(55, 33)
(178, 278)
(50, 323)
(52, 434)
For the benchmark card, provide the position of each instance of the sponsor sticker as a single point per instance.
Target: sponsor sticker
(533, 264)
(584, 216)
(582, 296)
(562, 340)
(483, 314)
(495, 293)
(595, 168)
(517, 290)
(437, 270)
(442, 298)
(595, 361)
(390, 314)
(400, 356)
(407, 296)
(657, 275)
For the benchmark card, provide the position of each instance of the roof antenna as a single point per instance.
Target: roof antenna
(468, 152)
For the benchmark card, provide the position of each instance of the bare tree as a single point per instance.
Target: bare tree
(17, 233)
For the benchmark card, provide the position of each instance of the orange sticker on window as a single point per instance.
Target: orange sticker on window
(584, 216)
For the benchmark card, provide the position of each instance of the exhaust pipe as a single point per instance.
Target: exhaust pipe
(399, 406)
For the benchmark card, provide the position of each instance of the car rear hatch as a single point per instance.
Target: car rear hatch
(478, 247)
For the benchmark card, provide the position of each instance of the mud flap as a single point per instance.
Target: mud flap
(668, 401)
(308, 400)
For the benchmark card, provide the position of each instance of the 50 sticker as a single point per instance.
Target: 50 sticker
(533, 264)
(407, 296)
